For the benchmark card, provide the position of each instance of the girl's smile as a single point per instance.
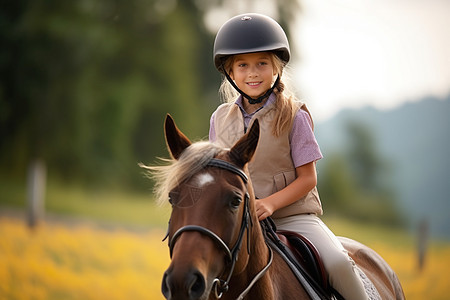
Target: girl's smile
(254, 85)
(253, 73)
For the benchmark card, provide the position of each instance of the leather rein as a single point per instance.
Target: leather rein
(220, 286)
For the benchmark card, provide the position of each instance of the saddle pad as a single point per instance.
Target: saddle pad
(307, 255)
(369, 286)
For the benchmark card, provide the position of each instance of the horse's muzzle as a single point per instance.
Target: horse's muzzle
(184, 286)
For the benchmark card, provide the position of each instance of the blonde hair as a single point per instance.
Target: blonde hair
(286, 104)
(174, 172)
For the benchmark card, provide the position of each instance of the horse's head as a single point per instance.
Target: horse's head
(209, 194)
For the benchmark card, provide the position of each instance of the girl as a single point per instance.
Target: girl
(252, 50)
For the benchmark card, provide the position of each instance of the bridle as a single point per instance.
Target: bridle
(220, 286)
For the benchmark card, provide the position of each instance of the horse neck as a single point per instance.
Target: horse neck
(255, 262)
(259, 253)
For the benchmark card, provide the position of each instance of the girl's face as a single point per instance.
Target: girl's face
(253, 73)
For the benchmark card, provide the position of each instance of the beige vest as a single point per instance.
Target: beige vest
(271, 168)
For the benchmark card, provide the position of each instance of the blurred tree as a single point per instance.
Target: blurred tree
(85, 85)
(336, 186)
(355, 184)
(363, 159)
(78, 77)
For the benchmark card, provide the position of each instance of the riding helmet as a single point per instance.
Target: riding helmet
(249, 33)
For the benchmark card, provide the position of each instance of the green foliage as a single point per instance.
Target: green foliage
(354, 184)
(86, 84)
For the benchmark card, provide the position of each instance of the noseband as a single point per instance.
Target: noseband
(221, 286)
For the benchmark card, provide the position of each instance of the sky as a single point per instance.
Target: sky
(355, 53)
(382, 53)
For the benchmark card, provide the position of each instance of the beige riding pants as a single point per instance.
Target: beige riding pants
(340, 267)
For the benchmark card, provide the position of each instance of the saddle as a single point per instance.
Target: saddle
(306, 255)
(303, 258)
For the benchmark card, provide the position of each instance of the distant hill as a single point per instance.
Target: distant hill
(415, 139)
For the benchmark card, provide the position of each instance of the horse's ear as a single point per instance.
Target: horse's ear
(242, 152)
(175, 139)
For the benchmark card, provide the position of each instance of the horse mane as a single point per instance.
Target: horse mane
(174, 172)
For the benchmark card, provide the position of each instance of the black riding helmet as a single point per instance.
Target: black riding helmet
(249, 33)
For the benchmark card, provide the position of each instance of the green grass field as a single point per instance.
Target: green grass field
(109, 206)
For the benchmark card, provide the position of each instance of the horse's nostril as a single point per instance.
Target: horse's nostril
(165, 289)
(198, 285)
(188, 285)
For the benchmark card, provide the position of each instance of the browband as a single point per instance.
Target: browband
(218, 163)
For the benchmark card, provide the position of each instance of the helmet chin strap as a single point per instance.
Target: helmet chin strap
(250, 99)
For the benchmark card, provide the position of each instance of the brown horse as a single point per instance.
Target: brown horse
(216, 245)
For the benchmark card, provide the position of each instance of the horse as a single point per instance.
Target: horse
(216, 244)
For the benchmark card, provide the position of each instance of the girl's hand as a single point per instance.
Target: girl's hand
(264, 208)
(306, 180)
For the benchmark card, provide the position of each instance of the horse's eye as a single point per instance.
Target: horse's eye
(172, 198)
(235, 201)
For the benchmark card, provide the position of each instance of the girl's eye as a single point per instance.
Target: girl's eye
(242, 65)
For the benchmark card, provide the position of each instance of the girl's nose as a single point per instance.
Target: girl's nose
(252, 72)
